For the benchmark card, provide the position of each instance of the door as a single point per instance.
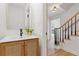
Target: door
(31, 47)
(12, 49)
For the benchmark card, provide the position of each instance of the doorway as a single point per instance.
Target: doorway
(52, 24)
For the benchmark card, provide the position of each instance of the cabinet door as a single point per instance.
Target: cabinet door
(12, 49)
(31, 47)
(1, 50)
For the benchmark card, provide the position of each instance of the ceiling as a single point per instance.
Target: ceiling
(17, 4)
(60, 8)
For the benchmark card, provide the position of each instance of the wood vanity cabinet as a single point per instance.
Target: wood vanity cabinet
(31, 47)
(28, 47)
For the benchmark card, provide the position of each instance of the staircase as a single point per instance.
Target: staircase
(67, 35)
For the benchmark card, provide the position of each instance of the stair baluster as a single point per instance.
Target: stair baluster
(75, 25)
(68, 30)
(71, 27)
(65, 31)
(62, 35)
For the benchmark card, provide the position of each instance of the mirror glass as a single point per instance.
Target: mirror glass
(18, 16)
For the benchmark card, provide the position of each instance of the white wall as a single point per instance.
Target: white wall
(38, 24)
(2, 19)
(16, 16)
(45, 27)
(68, 14)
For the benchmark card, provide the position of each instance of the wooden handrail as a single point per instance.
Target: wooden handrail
(70, 25)
(69, 20)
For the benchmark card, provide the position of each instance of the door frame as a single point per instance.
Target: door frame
(45, 27)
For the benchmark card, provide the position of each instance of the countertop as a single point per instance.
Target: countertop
(14, 36)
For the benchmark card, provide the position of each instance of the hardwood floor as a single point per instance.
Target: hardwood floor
(60, 52)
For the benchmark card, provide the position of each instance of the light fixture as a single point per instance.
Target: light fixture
(54, 9)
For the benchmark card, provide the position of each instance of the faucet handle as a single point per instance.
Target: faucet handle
(21, 32)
